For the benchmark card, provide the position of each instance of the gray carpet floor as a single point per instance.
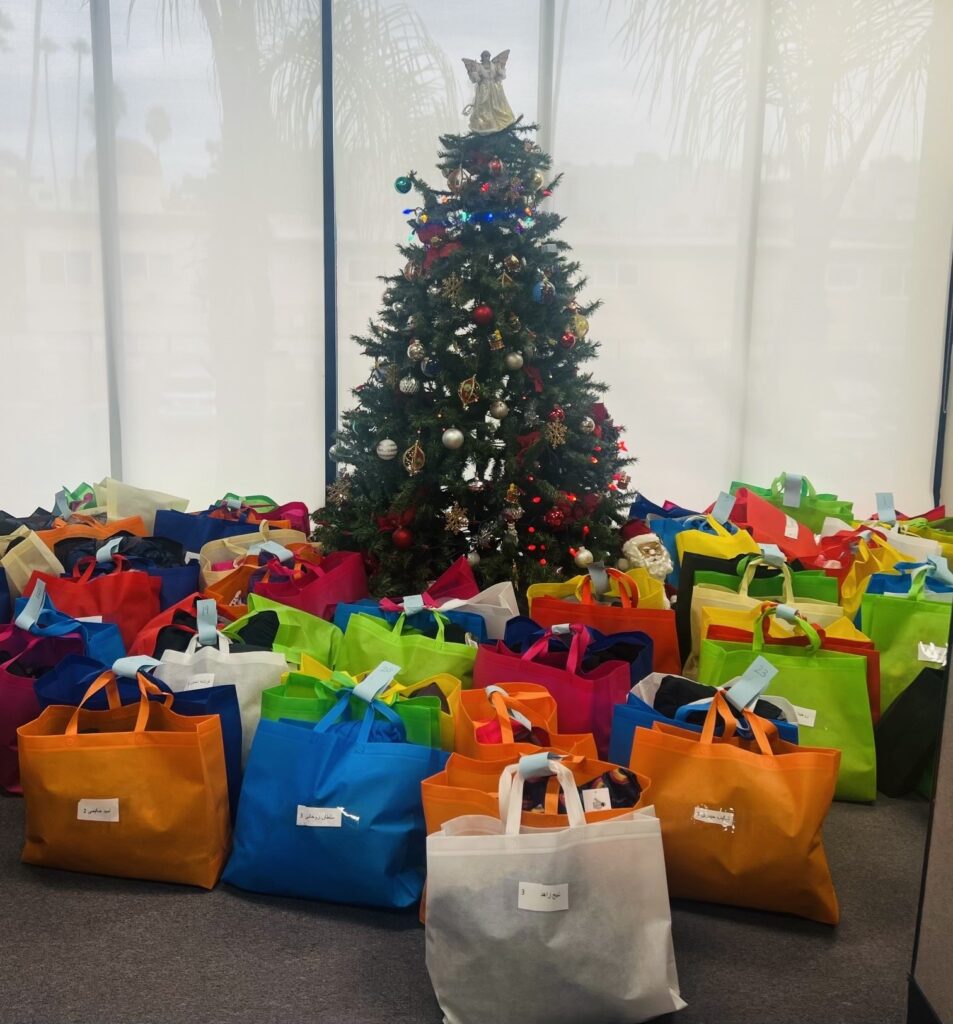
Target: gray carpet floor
(79, 949)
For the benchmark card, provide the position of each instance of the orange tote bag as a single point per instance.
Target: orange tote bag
(741, 820)
(135, 791)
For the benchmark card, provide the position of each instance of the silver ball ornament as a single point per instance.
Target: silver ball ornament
(409, 385)
(452, 438)
(416, 350)
(587, 425)
(584, 558)
(386, 449)
(513, 361)
(499, 409)
(336, 453)
(473, 558)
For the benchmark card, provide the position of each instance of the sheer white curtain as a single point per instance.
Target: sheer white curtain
(52, 361)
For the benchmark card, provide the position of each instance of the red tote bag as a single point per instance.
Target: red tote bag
(623, 617)
(584, 700)
(127, 597)
(769, 524)
(316, 589)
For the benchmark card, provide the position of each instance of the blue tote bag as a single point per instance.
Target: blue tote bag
(424, 622)
(333, 811)
(193, 529)
(642, 508)
(38, 616)
(69, 681)
(6, 606)
(632, 647)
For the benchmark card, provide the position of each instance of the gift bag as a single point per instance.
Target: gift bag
(627, 616)
(250, 673)
(796, 496)
(510, 910)
(36, 615)
(193, 530)
(286, 630)
(828, 689)
(91, 528)
(220, 557)
(333, 811)
(638, 584)
(263, 508)
(496, 605)
(715, 539)
(460, 626)
(316, 589)
(123, 500)
(127, 597)
(135, 791)
(769, 524)
(585, 699)
(21, 554)
(910, 631)
(500, 723)
(23, 658)
(741, 821)
(852, 558)
(368, 641)
(682, 702)
(468, 785)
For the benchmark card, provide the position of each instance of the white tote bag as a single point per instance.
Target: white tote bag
(566, 926)
(496, 606)
(250, 672)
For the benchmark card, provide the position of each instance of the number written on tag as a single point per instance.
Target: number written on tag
(596, 799)
(98, 810)
(545, 898)
(713, 816)
(319, 817)
(805, 716)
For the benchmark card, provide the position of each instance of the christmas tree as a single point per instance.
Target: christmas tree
(477, 432)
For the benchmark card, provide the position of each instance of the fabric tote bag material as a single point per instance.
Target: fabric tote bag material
(36, 615)
(584, 699)
(368, 641)
(627, 616)
(715, 540)
(21, 554)
(122, 500)
(332, 811)
(219, 557)
(636, 584)
(317, 589)
(129, 598)
(496, 605)
(829, 689)
(506, 722)
(769, 524)
(296, 632)
(135, 792)
(512, 910)
(797, 497)
(741, 821)
(909, 630)
(250, 672)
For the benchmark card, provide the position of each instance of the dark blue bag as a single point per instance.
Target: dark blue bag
(71, 678)
(6, 606)
(38, 616)
(642, 508)
(424, 622)
(633, 647)
(193, 529)
(333, 811)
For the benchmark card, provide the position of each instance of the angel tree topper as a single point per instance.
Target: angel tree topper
(489, 111)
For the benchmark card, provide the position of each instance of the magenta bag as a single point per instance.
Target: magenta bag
(316, 589)
(294, 512)
(584, 700)
(23, 658)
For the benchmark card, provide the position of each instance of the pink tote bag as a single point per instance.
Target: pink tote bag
(316, 589)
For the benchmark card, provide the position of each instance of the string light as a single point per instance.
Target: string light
(537, 500)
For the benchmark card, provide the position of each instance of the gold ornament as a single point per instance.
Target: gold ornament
(513, 263)
(456, 179)
(538, 180)
(505, 280)
(579, 325)
(452, 288)
(513, 494)
(496, 341)
(556, 433)
(339, 493)
(469, 391)
(456, 519)
(514, 321)
(411, 271)
(413, 459)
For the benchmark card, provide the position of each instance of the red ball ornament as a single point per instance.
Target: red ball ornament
(554, 518)
(495, 167)
(402, 538)
(557, 415)
(568, 340)
(482, 315)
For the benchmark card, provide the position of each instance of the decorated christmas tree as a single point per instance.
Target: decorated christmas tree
(478, 433)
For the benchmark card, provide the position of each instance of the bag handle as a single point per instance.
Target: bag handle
(628, 589)
(791, 488)
(33, 609)
(107, 681)
(374, 707)
(788, 614)
(532, 766)
(441, 621)
(720, 709)
(918, 583)
(93, 562)
(751, 568)
(506, 713)
(577, 647)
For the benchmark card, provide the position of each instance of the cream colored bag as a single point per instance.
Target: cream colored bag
(30, 554)
(234, 549)
(122, 500)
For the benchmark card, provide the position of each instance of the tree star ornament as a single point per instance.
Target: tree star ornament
(456, 519)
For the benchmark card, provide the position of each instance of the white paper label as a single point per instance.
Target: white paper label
(596, 799)
(319, 817)
(546, 898)
(805, 716)
(192, 556)
(932, 653)
(790, 528)
(98, 810)
(712, 816)
(90, 618)
(201, 680)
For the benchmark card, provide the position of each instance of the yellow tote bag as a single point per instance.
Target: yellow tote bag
(720, 544)
(747, 619)
(651, 592)
(875, 555)
(21, 553)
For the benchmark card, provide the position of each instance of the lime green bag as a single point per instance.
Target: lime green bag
(308, 699)
(297, 631)
(812, 508)
(369, 640)
(828, 690)
(910, 631)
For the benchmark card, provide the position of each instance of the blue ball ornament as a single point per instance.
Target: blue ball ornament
(403, 185)
(431, 367)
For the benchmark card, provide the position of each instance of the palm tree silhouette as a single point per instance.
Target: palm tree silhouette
(47, 46)
(80, 47)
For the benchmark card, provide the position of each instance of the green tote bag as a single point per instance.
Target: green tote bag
(308, 699)
(810, 584)
(368, 641)
(909, 630)
(828, 689)
(807, 506)
(298, 632)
